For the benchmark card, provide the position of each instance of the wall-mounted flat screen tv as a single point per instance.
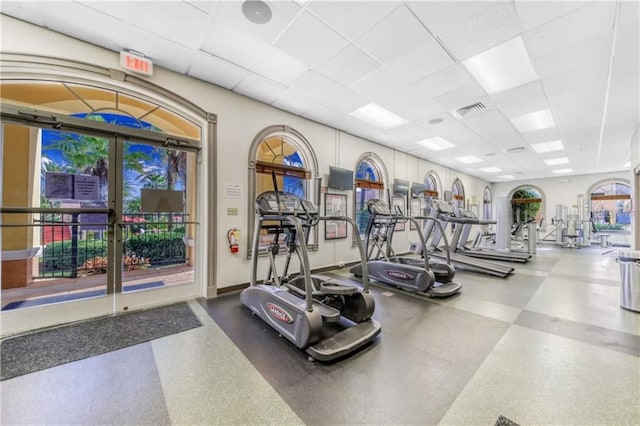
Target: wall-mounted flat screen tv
(340, 178)
(417, 189)
(400, 186)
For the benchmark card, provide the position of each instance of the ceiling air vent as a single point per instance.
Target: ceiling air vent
(516, 150)
(464, 111)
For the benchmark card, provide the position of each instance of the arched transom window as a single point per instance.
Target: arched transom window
(486, 204)
(369, 185)
(457, 190)
(611, 205)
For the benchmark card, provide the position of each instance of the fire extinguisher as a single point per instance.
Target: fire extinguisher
(233, 235)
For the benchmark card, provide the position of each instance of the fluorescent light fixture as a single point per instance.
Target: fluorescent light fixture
(627, 164)
(502, 67)
(559, 171)
(491, 169)
(469, 159)
(534, 121)
(436, 144)
(552, 146)
(506, 176)
(378, 116)
(557, 161)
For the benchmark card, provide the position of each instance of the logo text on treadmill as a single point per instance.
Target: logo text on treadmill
(400, 275)
(278, 313)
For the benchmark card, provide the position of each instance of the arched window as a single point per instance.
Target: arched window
(432, 189)
(457, 190)
(369, 183)
(486, 204)
(285, 152)
(611, 205)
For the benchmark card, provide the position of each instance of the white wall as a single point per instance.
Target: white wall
(635, 182)
(239, 120)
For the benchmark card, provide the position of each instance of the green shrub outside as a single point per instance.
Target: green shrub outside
(157, 247)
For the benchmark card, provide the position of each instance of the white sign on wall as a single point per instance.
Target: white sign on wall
(232, 190)
(86, 188)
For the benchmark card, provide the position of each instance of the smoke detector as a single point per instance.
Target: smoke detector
(257, 11)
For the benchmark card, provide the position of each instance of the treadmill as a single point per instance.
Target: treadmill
(433, 278)
(461, 236)
(443, 210)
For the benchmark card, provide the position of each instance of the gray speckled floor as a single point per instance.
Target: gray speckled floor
(548, 345)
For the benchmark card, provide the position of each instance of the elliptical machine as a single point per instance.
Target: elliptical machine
(433, 278)
(325, 317)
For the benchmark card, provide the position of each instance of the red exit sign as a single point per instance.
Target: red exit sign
(136, 63)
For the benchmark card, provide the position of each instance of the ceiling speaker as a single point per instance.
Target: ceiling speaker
(257, 11)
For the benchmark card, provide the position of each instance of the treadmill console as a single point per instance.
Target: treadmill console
(290, 204)
(443, 207)
(378, 207)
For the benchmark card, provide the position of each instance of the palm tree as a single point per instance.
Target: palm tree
(89, 154)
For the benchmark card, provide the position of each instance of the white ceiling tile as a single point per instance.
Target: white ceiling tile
(378, 85)
(86, 24)
(215, 70)
(544, 135)
(462, 96)
(589, 21)
(310, 40)
(204, 5)
(627, 49)
(578, 108)
(253, 54)
(294, 103)
(521, 100)
(351, 18)
(321, 114)
(629, 12)
(349, 65)
(283, 12)
(440, 16)
(414, 107)
(495, 129)
(422, 62)
(487, 28)
(407, 133)
(564, 81)
(535, 13)
(30, 11)
(319, 88)
(596, 50)
(163, 52)
(395, 35)
(259, 89)
(458, 134)
(177, 21)
(115, 9)
(442, 82)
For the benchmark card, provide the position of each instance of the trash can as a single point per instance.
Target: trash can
(604, 243)
(630, 279)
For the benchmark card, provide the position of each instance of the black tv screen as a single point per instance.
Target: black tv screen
(340, 178)
(418, 189)
(400, 186)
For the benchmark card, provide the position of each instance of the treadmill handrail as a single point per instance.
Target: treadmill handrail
(363, 256)
(442, 230)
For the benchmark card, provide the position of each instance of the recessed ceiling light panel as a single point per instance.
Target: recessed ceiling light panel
(436, 144)
(502, 67)
(552, 146)
(557, 161)
(469, 159)
(491, 169)
(378, 116)
(533, 121)
(561, 171)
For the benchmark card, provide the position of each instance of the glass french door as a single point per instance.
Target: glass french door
(91, 224)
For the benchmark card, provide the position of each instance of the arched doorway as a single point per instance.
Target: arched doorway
(526, 205)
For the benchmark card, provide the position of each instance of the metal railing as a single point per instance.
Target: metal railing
(74, 247)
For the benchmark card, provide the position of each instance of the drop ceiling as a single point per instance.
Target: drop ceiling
(325, 59)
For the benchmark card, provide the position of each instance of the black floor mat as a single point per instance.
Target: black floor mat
(45, 349)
